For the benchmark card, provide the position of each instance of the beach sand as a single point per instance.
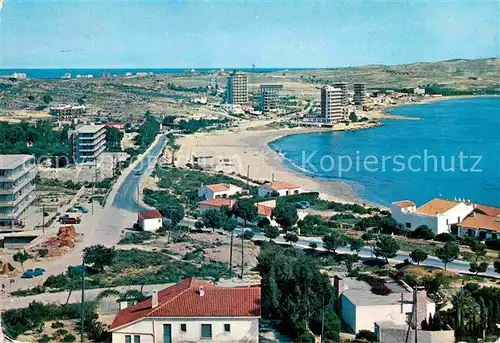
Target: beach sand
(249, 149)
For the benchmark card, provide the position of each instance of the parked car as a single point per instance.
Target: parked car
(81, 208)
(70, 220)
(138, 173)
(30, 273)
(39, 270)
(302, 204)
(72, 210)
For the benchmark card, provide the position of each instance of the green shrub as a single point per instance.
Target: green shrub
(366, 335)
(445, 237)
(44, 339)
(69, 338)
(59, 333)
(57, 325)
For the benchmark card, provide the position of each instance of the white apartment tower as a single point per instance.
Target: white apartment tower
(17, 186)
(89, 141)
(344, 86)
(331, 104)
(237, 88)
(269, 97)
(359, 94)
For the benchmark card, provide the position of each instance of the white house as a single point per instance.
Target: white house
(191, 311)
(282, 188)
(360, 308)
(215, 204)
(479, 225)
(150, 220)
(437, 214)
(218, 190)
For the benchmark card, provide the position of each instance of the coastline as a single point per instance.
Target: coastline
(250, 148)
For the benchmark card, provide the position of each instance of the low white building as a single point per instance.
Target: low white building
(437, 214)
(232, 108)
(360, 308)
(279, 188)
(218, 190)
(480, 225)
(150, 220)
(191, 311)
(215, 204)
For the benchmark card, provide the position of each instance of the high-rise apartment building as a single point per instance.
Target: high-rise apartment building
(331, 104)
(17, 186)
(269, 97)
(89, 141)
(67, 111)
(237, 88)
(344, 86)
(359, 94)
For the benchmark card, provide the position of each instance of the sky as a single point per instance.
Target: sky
(205, 34)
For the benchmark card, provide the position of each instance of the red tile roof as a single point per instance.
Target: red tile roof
(183, 300)
(278, 185)
(218, 187)
(219, 202)
(489, 210)
(437, 206)
(150, 214)
(404, 203)
(481, 222)
(265, 208)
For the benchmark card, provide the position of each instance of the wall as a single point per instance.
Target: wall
(464, 232)
(398, 334)
(150, 224)
(348, 312)
(242, 330)
(265, 190)
(207, 194)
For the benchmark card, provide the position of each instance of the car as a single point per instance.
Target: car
(138, 173)
(72, 210)
(69, 220)
(37, 272)
(302, 204)
(28, 275)
(81, 208)
(40, 270)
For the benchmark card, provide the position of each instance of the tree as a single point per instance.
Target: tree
(478, 248)
(171, 209)
(199, 224)
(448, 252)
(496, 265)
(422, 232)
(386, 247)
(356, 244)
(21, 257)
(418, 256)
(246, 210)
(334, 240)
(313, 245)
(263, 222)
(478, 267)
(271, 232)
(285, 214)
(291, 237)
(47, 99)
(214, 218)
(99, 256)
(366, 335)
(353, 117)
(332, 326)
(80, 100)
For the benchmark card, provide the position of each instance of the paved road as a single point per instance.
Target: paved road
(432, 261)
(104, 226)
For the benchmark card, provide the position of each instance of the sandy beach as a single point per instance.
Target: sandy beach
(249, 149)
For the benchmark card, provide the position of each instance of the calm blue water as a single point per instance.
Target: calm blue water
(58, 73)
(448, 128)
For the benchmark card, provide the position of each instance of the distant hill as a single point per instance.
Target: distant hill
(461, 74)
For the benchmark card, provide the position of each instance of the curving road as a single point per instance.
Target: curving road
(431, 261)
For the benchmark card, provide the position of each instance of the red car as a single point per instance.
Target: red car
(70, 221)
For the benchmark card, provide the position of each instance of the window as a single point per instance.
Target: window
(137, 339)
(227, 327)
(128, 339)
(206, 330)
(408, 225)
(183, 327)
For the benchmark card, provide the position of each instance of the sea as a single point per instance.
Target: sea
(453, 152)
(59, 73)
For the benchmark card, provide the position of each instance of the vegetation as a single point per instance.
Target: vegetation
(334, 240)
(271, 232)
(21, 257)
(285, 215)
(448, 252)
(195, 125)
(99, 256)
(295, 293)
(245, 209)
(366, 335)
(168, 205)
(386, 247)
(114, 138)
(291, 238)
(418, 256)
(147, 132)
(422, 232)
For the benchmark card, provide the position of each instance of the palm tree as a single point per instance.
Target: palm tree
(466, 311)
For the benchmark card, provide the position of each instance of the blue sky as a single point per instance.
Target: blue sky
(181, 34)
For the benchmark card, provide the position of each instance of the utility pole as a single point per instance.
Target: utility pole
(323, 323)
(242, 250)
(231, 256)
(248, 178)
(83, 301)
(92, 202)
(43, 220)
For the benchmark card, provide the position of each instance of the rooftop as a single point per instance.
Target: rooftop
(481, 221)
(489, 210)
(90, 128)
(277, 185)
(150, 214)
(219, 187)
(437, 206)
(404, 203)
(13, 161)
(184, 299)
(218, 202)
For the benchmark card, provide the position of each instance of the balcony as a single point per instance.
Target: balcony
(21, 207)
(13, 190)
(93, 137)
(26, 192)
(23, 170)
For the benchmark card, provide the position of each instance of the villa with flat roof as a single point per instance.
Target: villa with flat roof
(88, 142)
(17, 186)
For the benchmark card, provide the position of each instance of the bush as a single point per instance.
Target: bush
(59, 333)
(493, 243)
(69, 338)
(44, 339)
(43, 252)
(57, 325)
(366, 335)
(422, 232)
(305, 337)
(445, 237)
